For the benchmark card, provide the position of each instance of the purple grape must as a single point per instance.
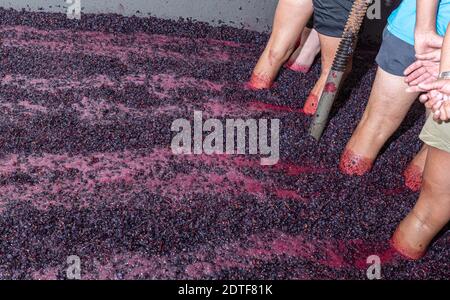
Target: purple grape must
(86, 167)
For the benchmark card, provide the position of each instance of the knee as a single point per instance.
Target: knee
(279, 54)
(379, 116)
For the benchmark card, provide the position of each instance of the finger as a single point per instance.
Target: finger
(420, 79)
(431, 79)
(432, 103)
(436, 85)
(436, 95)
(414, 89)
(446, 107)
(424, 98)
(437, 115)
(414, 66)
(443, 114)
(429, 104)
(414, 75)
(437, 106)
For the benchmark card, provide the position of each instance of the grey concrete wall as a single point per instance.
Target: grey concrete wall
(251, 14)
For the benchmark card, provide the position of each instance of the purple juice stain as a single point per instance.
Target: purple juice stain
(86, 168)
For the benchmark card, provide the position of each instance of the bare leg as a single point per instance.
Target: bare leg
(432, 211)
(290, 19)
(302, 58)
(388, 105)
(414, 172)
(329, 47)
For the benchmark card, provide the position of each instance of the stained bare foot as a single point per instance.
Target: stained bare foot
(267, 69)
(355, 164)
(310, 107)
(412, 237)
(363, 147)
(303, 57)
(414, 172)
(298, 67)
(260, 82)
(313, 99)
(431, 212)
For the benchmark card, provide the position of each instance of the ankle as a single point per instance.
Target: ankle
(405, 250)
(311, 104)
(413, 235)
(260, 81)
(297, 67)
(352, 163)
(360, 153)
(413, 177)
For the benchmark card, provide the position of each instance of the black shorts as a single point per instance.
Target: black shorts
(395, 55)
(330, 16)
(310, 23)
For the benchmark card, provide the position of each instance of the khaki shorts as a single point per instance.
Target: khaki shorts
(436, 134)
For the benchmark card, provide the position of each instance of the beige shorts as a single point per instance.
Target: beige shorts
(436, 134)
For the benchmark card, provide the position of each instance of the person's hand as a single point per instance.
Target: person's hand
(421, 71)
(428, 46)
(432, 100)
(443, 113)
(437, 98)
(426, 42)
(434, 55)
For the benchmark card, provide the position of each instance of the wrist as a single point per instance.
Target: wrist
(423, 30)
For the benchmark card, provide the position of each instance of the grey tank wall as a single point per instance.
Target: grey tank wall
(250, 14)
